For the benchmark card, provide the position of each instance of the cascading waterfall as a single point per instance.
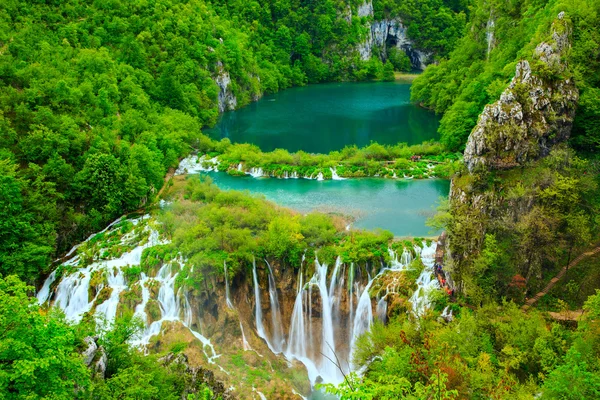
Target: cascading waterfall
(278, 339)
(72, 292)
(426, 282)
(335, 176)
(256, 172)
(260, 329)
(363, 318)
(319, 350)
(227, 299)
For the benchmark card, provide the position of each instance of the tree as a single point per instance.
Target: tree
(38, 357)
(388, 71)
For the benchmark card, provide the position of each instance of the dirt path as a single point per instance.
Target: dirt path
(558, 277)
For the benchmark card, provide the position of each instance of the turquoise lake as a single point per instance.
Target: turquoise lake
(325, 117)
(399, 206)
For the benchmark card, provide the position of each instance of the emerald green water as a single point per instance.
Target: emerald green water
(399, 206)
(325, 117)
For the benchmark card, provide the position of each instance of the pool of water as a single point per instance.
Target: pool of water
(400, 206)
(325, 117)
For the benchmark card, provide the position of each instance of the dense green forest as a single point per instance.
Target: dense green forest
(99, 99)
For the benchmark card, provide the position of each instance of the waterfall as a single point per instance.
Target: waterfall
(320, 176)
(195, 164)
(278, 338)
(255, 172)
(240, 167)
(426, 282)
(227, 299)
(382, 310)
(297, 338)
(489, 35)
(328, 370)
(107, 310)
(335, 176)
(294, 175)
(363, 318)
(44, 292)
(260, 329)
(245, 344)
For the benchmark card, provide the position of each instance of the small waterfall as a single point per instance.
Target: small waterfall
(240, 167)
(489, 35)
(320, 176)
(363, 318)
(44, 292)
(297, 341)
(140, 309)
(426, 282)
(382, 310)
(328, 370)
(294, 175)
(447, 315)
(194, 164)
(278, 338)
(256, 172)
(108, 309)
(335, 176)
(188, 316)
(72, 294)
(227, 299)
(260, 329)
(245, 344)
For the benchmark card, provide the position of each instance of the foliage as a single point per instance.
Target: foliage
(543, 215)
(38, 356)
(482, 64)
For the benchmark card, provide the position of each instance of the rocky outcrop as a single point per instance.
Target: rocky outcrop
(386, 34)
(226, 100)
(94, 356)
(533, 114)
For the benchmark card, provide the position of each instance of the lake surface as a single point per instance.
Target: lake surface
(399, 206)
(325, 117)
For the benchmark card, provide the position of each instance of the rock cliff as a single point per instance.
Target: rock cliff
(533, 117)
(533, 114)
(385, 34)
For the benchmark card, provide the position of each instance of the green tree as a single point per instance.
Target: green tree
(38, 357)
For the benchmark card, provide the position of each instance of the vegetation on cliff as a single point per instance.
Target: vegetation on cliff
(482, 64)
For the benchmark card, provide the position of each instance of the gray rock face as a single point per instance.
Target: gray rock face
(227, 100)
(388, 33)
(365, 9)
(94, 356)
(533, 114)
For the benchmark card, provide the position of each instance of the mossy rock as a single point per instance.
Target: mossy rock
(103, 295)
(153, 311)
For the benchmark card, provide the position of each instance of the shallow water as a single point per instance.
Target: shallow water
(325, 117)
(400, 206)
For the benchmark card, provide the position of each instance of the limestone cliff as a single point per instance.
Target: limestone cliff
(385, 34)
(227, 99)
(532, 118)
(534, 113)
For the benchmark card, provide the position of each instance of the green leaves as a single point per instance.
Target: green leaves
(37, 350)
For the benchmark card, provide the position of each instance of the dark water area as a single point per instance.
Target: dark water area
(325, 117)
